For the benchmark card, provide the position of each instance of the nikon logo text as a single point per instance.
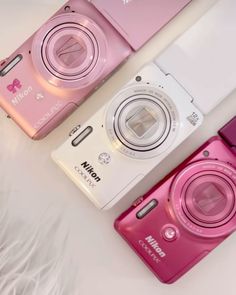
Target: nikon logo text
(90, 170)
(154, 244)
(19, 97)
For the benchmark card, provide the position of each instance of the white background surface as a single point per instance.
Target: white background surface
(33, 183)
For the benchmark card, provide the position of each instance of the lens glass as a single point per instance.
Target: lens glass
(141, 121)
(70, 51)
(209, 199)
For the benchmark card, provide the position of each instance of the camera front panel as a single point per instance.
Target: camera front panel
(183, 218)
(155, 235)
(136, 130)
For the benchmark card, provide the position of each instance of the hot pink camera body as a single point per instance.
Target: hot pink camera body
(188, 214)
(71, 55)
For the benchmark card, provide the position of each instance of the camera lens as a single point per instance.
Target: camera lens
(203, 198)
(142, 123)
(209, 199)
(68, 53)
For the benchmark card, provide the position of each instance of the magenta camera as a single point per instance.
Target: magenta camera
(189, 213)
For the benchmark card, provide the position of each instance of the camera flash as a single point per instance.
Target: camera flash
(147, 209)
(11, 65)
(84, 134)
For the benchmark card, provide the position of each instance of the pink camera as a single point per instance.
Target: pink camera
(188, 214)
(72, 54)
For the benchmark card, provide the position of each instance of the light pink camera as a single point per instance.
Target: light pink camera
(189, 213)
(47, 78)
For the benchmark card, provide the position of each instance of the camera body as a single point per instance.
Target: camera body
(44, 80)
(129, 136)
(72, 54)
(185, 216)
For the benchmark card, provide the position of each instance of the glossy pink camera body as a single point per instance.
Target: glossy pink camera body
(72, 55)
(187, 215)
(57, 68)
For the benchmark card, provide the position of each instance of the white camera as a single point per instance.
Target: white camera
(129, 136)
(155, 112)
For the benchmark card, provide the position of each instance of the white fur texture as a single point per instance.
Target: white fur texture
(33, 258)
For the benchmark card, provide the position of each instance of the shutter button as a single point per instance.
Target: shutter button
(170, 233)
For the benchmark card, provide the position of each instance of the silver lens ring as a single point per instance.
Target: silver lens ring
(150, 123)
(142, 121)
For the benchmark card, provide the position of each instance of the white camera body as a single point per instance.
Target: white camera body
(129, 136)
(156, 111)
